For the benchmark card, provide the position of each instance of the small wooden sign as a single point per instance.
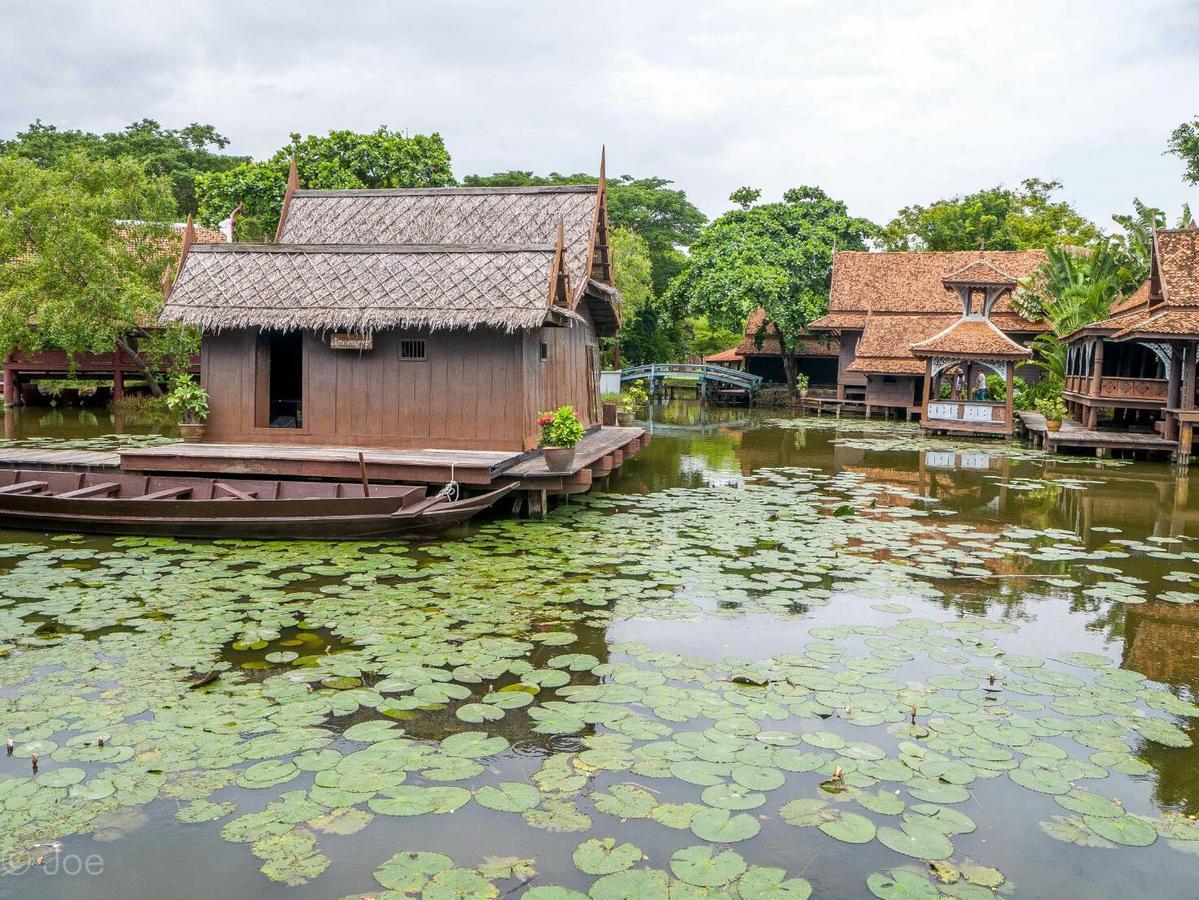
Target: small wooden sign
(346, 341)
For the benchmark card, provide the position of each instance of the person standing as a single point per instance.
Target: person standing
(959, 386)
(980, 390)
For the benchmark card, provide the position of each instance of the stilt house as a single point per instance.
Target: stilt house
(1136, 369)
(432, 318)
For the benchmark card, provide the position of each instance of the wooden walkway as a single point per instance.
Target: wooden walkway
(1074, 436)
(45, 458)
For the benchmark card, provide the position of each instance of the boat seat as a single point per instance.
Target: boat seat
(23, 487)
(174, 493)
(232, 492)
(102, 489)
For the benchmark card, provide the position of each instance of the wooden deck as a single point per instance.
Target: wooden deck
(597, 454)
(1074, 436)
(44, 458)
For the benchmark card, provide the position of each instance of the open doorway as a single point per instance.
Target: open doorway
(280, 376)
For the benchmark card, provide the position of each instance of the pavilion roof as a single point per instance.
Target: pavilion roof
(971, 336)
(883, 346)
(979, 271)
(725, 356)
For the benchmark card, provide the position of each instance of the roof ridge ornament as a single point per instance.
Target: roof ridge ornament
(293, 185)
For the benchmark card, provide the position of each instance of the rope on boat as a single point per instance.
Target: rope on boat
(449, 493)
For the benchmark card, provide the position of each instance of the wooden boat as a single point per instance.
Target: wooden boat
(110, 503)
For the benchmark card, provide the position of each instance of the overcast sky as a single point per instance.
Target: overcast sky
(881, 103)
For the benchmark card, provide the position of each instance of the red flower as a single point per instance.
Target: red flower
(547, 419)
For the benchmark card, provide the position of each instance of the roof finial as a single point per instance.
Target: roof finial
(603, 177)
(189, 238)
(561, 235)
(293, 174)
(982, 245)
(293, 185)
(1193, 226)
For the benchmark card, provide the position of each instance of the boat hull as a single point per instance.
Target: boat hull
(300, 519)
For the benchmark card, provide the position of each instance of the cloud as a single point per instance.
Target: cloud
(883, 104)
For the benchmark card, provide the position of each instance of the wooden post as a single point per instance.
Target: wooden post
(1173, 386)
(12, 387)
(928, 391)
(118, 383)
(1186, 403)
(1009, 404)
(1097, 369)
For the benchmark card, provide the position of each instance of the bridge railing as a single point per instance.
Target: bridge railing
(699, 371)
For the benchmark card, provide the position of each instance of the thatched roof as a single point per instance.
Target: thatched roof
(355, 287)
(488, 216)
(508, 258)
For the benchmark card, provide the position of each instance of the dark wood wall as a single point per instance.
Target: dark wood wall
(477, 390)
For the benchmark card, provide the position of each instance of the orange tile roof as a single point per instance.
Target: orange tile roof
(813, 345)
(725, 356)
(1177, 254)
(915, 282)
(839, 321)
(980, 271)
(971, 336)
(887, 365)
(1163, 321)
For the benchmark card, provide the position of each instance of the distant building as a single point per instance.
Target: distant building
(881, 305)
(442, 317)
(815, 355)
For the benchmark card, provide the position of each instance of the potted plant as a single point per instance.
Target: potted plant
(801, 384)
(189, 401)
(631, 399)
(560, 431)
(1054, 411)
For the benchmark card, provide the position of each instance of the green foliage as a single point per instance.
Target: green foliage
(560, 428)
(633, 397)
(632, 269)
(704, 340)
(745, 197)
(1026, 395)
(997, 388)
(1075, 288)
(1134, 248)
(338, 160)
(778, 256)
(71, 277)
(187, 400)
(999, 218)
(802, 380)
(179, 154)
(1052, 408)
(1184, 143)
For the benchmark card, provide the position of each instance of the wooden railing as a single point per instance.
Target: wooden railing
(1113, 387)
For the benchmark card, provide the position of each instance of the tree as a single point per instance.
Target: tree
(338, 160)
(179, 154)
(74, 273)
(704, 340)
(647, 334)
(998, 218)
(778, 256)
(1135, 246)
(745, 197)
(1184, 143)
(662, 215)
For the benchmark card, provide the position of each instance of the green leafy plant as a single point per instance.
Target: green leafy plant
(633, 397)
(1052, 408)
(560, 428)
(802, 381)
(188, 400)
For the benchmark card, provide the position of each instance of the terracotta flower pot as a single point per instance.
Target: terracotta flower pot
(624, 417)
(191, 431)
(559, 459)
(1053, 424)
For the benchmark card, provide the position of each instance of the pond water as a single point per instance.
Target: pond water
(779, 658)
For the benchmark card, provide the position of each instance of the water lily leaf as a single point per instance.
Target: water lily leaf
(1132, 831)
(770, 883)
(1090, 804)
(603, 857)
(703, 866)
(983, 876)
(1073, 830)
(625, 801)
(806, 812)
(849, 827)
(635, 884)
(732, 796)
(479, 712)
(473, 744)
(723, 827)
(508, 796)
(342, 821)
(204, 811)
(918, 841)
(459, 884)
(901, 884)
